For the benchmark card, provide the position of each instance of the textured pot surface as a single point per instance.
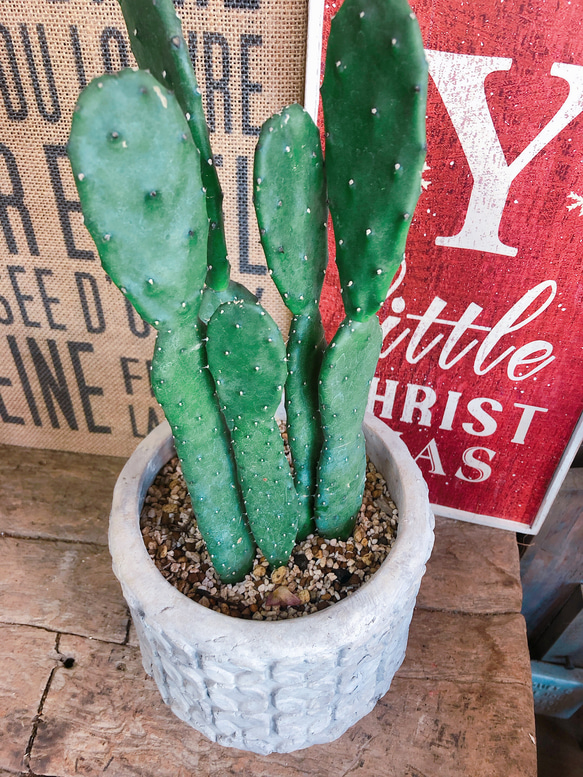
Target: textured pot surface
(284, 685)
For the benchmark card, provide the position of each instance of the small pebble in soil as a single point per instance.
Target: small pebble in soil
(319, 573)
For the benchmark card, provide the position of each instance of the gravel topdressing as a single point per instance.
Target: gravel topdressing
(319, 573)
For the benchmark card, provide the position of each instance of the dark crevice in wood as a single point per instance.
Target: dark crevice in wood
(406, 675)
(128, 627)
(66, 541)
(467, 613)
(68, 633)
(39, 712)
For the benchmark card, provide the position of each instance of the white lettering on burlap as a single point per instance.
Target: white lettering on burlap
(460, 80)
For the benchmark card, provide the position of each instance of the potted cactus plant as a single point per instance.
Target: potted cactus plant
(143, 165)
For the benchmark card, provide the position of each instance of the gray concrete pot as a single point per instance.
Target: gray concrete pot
(274, 686)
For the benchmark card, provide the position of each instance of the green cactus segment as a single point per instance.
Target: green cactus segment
(212, 299)
(374, 99)
(290, 202)
(145, 211)
(184, 387)
(158, 45)
(305, 348)
(347, 371)
(247, 359)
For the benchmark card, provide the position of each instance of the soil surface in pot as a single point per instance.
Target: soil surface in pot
(319, 573)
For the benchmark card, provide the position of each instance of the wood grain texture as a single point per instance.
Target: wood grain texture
(467, 648)
(106, 711)
(56, 496)
(462, 551)
(61, 586)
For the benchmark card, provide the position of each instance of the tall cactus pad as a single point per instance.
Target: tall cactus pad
(247, 359)
(374, 98)
(158, 45)
(347, 371)
(305, 349)
(138, 176)
(290, 202)
(185, 389)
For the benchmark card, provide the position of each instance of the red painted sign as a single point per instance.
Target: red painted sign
(481, 369)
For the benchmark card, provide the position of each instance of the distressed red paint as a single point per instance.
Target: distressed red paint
(541, 221)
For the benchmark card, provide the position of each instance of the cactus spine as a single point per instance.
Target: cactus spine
(290, 202)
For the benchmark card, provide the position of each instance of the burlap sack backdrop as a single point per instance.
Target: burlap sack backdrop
(73, 355)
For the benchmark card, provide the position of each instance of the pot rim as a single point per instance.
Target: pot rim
(356, 613)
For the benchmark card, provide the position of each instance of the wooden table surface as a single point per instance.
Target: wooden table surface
(74, 699)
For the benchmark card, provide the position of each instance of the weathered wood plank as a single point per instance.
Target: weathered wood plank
(105, 711)
(27, 657)
(56, 494)
(467, 648)
(450, 729)
(62, 586)
(469, 563)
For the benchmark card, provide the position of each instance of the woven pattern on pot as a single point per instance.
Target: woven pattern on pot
(285, 706)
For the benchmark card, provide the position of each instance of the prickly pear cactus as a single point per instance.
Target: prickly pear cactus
(346, 374)
(143, 165)
(247, 359)
(374, 100)
(147, 215)
(158, 45)
(184, 387)
(211, 299)
(290, 202)
(305, 349)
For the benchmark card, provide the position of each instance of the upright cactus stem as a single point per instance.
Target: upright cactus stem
(184, 387)
(158, 45)
(290, 202)
(345, 378)
(247, 360)
(147, 215)
(374, 99)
